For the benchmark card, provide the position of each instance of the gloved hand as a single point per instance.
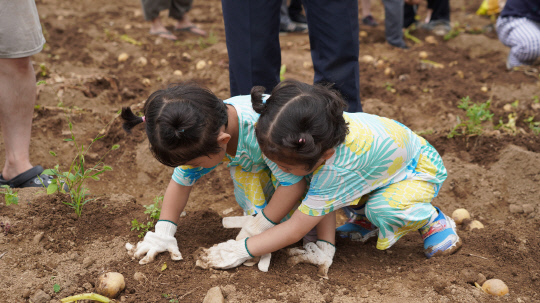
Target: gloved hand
(320, 253)
(155, 242)
(224, 255)
(251, 226)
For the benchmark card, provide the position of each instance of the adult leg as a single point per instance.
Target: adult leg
(17, 99)
(151, 10)
(178, 11)
(252, 37)
(409, 14)
(523, 37)
(441, 10)
(393, 22)
(333, 35)
(295, 11)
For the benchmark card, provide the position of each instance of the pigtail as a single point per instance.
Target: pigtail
(130, 119)
(257, 99)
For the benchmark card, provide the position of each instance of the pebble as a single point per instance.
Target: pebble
(40, 297)
(139, 276)
(38, 237)
(88, 261)
(214, 295)
(480, 279)
(528, 208)
(515, 209)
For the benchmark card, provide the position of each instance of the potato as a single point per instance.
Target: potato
(389, 72)
(484, 89)
(110, 284)
(476, 224)
(363, 34)
(423, 55)
(495, 287)
(142, 61)
(460, 214)
(123, 57)
(367, 59)
(177, 73)
(201, 64)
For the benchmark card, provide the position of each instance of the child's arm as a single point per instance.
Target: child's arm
(283, 200)
(162, 239)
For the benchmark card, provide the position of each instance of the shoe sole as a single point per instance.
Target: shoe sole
(446, 247)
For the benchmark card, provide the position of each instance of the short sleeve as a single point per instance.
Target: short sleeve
(283, 178)
(187, 175)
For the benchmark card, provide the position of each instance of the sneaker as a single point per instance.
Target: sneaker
(440, 236)
(369, 21)
(299, 18)
(357, 232)
(437, 27)
(293, 27)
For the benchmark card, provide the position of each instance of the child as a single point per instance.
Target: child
(353, 158)
(518, 27)
(191, 129)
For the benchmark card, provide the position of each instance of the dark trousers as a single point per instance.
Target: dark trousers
(441, 11)
(177, 8)
(252, 34)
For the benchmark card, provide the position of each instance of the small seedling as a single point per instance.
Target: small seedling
(536, 99)
(153, 211)
(56, 288)
(207, 42)
(477, 113)
(10, 196)
(77, 174)
(533, 125)
(43, 70)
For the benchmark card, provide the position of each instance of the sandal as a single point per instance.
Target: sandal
(191, 29)
(30, 178)
(165, 35)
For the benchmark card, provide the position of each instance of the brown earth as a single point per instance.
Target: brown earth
(495, 175)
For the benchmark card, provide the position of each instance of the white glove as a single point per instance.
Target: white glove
(319, 253)
(155, 242)
(224, 255)
(251, 226)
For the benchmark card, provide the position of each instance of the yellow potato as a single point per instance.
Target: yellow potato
(123, 57)
(423, 55)
(110, 284)
(495, 287)
(460, 214)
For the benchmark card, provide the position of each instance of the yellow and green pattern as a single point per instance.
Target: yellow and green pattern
(396, 172)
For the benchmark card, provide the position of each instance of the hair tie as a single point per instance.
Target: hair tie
(302, 140)
(143, 118)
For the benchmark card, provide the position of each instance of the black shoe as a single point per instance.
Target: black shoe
(370, 21)
(299, 18)
(293, 27)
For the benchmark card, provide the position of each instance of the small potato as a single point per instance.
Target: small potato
(423, 55)
(484, 89)
(110, 284)
(495, 287)
(363, 34)
(123, 57)
(389, 72)
(367, 59)
(177, 73)
(201, 64)
(476, 224)
(460, 214)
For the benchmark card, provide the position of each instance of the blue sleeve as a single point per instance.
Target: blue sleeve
(283, 178)
(187, 175)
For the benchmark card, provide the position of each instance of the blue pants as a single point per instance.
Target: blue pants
(252, 33)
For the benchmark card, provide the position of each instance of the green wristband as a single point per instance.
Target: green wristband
(245, 244)
(168, 221)
(326, 242)
(262, 212)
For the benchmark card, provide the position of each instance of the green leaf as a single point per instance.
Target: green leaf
(12, 199)
(70, 126)
(56, 288)
(52, 153)
(116, 146)
(68, 139)
(106, 168)
(52, 188)
(95, 177)
(97, 139)
(40, 82)
(48, 172)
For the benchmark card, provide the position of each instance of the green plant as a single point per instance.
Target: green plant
(77, 174)
(533, 125)
(130, 40)
(209, 41)
(43, 70)
(153, 211)
(536, 99)
(282, 71)
(10, 196)
(510, 126)
(56, 288)
(476, 114)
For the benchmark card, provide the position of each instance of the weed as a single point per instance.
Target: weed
(533, 125)
(40, 82)
(6, 227)
(389, 87)
(170, 297)
(56, 288)
(77, 174)
(130, 40)
(43, 70)
(153, 211)
(282, 71)
(207, 42)
(536, 99)
(476, 114)
(510, 126)
(10, 196)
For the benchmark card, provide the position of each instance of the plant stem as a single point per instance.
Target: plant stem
(87, 296)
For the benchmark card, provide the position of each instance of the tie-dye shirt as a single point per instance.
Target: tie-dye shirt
(248, 153)
(377, 152)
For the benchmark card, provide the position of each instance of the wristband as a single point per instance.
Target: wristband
(165, 227)
(326, 242)
(245, 244)
(262, 212)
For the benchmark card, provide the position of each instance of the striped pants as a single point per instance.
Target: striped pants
(522, 35)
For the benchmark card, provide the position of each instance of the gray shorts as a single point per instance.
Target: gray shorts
(20, 30)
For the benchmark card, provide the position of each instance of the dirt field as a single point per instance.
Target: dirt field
(495, 175)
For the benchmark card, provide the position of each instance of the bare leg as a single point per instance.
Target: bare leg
(366, 8)
(326, 229)
(17, 99)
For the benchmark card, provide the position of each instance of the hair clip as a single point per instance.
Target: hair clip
(302, 141)
(143, 118)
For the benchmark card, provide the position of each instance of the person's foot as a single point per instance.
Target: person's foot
(185, 25)
(369, 21)
(440, 236)
(437, 27)
(299, 18)
(158, 29)
(293, 27)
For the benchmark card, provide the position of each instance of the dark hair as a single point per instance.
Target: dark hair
(299, 122)
(182, 123)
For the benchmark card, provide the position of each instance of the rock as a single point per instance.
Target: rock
(515, 209)
(214, 295)
(26, 293)
(139, 276)
(469, 275)
(40, 297)
(228, 290)
(88, 261)
(87, 286)
(38, 237)
(528, 208)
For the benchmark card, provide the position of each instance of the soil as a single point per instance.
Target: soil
(494, 175)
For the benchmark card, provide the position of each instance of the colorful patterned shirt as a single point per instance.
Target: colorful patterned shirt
(377, 152)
